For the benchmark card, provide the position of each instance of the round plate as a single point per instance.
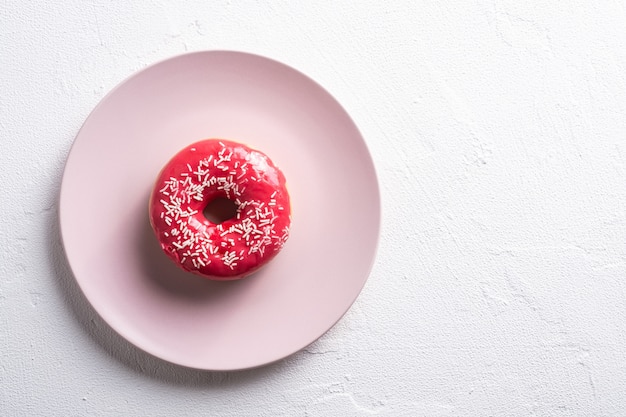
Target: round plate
(183, 318)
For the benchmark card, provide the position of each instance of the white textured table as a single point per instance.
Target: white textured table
(499, 134)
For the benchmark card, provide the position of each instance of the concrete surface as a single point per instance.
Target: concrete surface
(499, 132)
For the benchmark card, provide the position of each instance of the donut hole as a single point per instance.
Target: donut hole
(219, 210)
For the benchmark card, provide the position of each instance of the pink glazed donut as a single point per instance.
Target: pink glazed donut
(211, 170)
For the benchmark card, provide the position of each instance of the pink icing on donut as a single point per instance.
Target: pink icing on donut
(212, 169)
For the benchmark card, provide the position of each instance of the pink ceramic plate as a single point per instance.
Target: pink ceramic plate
(185, 319)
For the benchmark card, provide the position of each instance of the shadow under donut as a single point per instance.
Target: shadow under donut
(163, 272)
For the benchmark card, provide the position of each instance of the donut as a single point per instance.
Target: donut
(220, 171)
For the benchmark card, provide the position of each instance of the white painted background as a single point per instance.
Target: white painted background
(499, 133)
